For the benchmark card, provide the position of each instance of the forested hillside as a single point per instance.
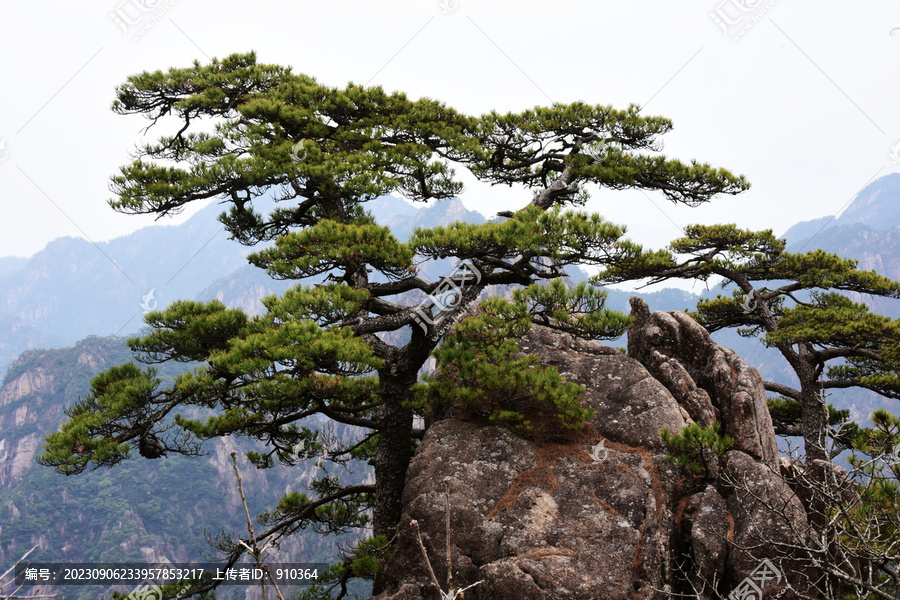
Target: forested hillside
(140, 511)
(73, 289)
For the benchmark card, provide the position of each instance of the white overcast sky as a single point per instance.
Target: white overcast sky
(800, 97)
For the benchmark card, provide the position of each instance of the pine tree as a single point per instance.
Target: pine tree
(793, 302)
(695, 445)
(245, 130)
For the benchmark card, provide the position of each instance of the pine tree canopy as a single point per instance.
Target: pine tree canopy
(798, 303)
(349, 343)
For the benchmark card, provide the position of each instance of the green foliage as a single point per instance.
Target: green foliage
(317, 350)
(567, 237)
(787, 417)
(882, 440)
(786, 413)
(879, 375)
(188, 331)
(692, 442)
(367, 558)
(364, 560)
(338, 516)
(724, 312)
(330, 245)
(730, 247)
(326, 304)
(748, 256)
(480, 370)
(514, 155)
(94, 517)
(288, 361)
(116, 394)
(580, 311)
(798, 303)
(360, 142)
(832, 319)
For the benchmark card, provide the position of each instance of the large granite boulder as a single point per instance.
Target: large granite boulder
(631, 405)
(710, 381)
(604, 515)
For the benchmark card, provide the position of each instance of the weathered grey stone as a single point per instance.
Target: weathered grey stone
(768, 518)
(708, 528)
(710, 381)
(631, 406)
(583, 521)
(549, 522)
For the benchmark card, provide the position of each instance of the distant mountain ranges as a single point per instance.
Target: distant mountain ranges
(871, 217)
(73, 288)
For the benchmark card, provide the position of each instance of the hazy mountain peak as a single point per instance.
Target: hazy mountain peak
(876, 205)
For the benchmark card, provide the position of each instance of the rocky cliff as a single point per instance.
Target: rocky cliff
(141, 510)
(606, 516)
